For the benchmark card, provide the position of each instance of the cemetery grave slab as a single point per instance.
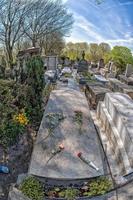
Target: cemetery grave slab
(117, 86)
(96, 93)
(126, 80)
(66, 164)
(114, 120)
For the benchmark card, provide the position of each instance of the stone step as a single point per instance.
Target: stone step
(113, 137)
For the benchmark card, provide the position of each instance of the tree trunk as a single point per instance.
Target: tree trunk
(10, 57)
(34, 42)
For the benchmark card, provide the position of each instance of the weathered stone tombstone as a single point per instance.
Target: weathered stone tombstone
(129, 70)
(51, 62)
(117, 86)
(67, 62)
(111, 70)
(95, 92)
(22, 58)
(101, 63)
(110, 65)
(93, 65)
(128, 76)
(61, 60)
(83, 64)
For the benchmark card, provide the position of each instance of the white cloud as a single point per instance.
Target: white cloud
(64, 1)
(86, 26)
(126, 3)
(121, 42)
(115, 29)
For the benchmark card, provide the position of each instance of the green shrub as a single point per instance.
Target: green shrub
(69, 193)
(35, 75)
(46, 92)
(99, 187)
(121, 56)
(32, 188)
(12, 100)
(87, 76)
(78, 118)
(9, 133)
(67, 75)
(15, 97)
(35, 81)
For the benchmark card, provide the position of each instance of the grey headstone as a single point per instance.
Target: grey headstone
(83, 66)
(101, 63)
(51, 62)
(129, 70)
(67, 62)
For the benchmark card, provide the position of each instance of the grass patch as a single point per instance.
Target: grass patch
(32, 188)
(67, 75)
(78, 118)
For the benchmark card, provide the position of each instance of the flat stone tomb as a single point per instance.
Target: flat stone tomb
(126, 80)
(66, 164)
(118, 86)
(116, 117)
(96, 93)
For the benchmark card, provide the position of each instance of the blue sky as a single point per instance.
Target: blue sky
(111, 21)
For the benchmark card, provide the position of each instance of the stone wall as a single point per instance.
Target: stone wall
(115, 115)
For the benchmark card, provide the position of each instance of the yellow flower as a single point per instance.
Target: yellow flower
(21, 118)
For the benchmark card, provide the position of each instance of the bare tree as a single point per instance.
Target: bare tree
(47, 17)
(52, 43)
(31, 20)
(12, 18)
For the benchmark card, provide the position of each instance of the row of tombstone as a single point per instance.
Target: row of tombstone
(50, 62)
(112, 69)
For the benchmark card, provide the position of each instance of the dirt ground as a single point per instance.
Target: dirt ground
(17, 158)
